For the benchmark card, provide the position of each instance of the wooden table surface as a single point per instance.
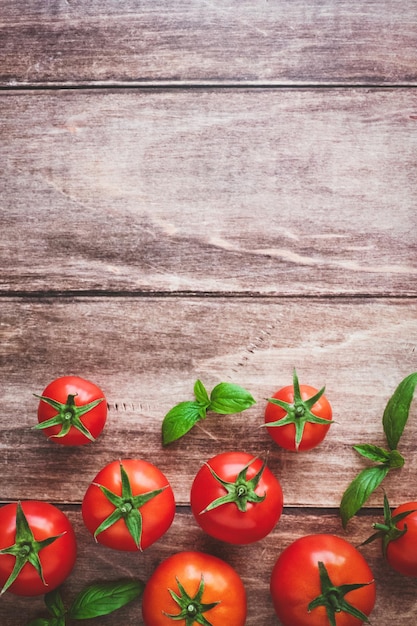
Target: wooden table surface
(221, 190)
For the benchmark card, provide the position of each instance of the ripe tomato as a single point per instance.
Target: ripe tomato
(401, 550)
(200, 588)
(305, 593)
(236, 498)
(72, 411)
(38, 538)
(298, 416)
(129, 505)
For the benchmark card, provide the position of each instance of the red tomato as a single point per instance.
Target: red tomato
(196, 586)
(241, 502)
(36, 522)
(129, 505)
(401, 553)
(299, 420)
(296, 581)
(72, 411)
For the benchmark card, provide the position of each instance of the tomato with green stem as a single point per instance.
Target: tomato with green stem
(193, 588)
(38, 547)
(236, 498)
(72, 411)
(298, 416)
(129, 505)
(398, 535)
(322, 580)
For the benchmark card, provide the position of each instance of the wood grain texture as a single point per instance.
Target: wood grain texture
(218, 191)
(254, 564)
(223, 190)
(146, 353)
(218, 41)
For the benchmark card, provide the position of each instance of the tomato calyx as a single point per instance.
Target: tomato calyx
(25, 549)
(298, 411)
(68, 415)
(126, 507)
(388, 531)
(241, 491)
(332, 597)
(191, 609)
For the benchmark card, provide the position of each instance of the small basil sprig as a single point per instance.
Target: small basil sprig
(93, 601)
(394, 420)
(225, 399)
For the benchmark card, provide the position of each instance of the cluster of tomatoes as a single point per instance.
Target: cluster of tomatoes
(234, 498)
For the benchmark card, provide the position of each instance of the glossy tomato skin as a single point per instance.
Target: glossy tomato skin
(402, 552)
(157, 514)
(226, 522)
(313, 434)
(85, 392)
(222, 584)
(57, 559)
(295, 580)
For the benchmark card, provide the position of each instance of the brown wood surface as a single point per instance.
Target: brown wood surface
(218, 41)
(146, 353)
(257, 191)
(152, 351)
(214, 190)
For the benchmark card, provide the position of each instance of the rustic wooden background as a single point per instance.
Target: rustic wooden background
(222, 190)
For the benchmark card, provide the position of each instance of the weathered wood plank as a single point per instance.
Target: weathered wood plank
(265, 191)
(208, 193)
(146, 354)
(396, 595)
(287, 42)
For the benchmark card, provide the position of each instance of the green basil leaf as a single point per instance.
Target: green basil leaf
(201, 394)
(396, 412)
(179, 420)
(360, 489)
(374, 453)
(54, 603)
(227, 398)
(104, 598)
(396, 459)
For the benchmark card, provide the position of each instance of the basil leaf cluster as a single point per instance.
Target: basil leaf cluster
(368, 480)
(224, 399)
